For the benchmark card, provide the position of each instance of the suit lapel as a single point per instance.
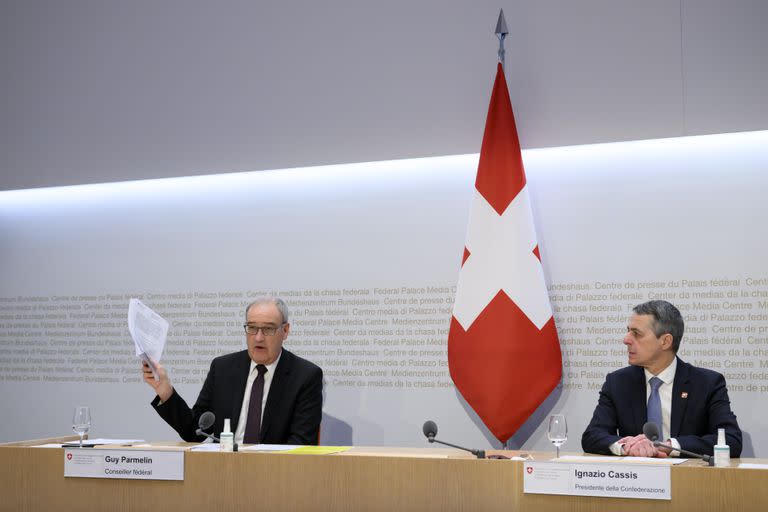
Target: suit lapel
(276, 390)
(241, 370)
(639, 400)
(679, 397)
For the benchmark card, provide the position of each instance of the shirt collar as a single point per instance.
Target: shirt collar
(667, 375)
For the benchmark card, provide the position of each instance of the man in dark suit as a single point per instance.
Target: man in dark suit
(689, 404)
(271, 395)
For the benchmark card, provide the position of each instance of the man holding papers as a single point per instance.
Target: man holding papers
(687, 403)
(271, 395)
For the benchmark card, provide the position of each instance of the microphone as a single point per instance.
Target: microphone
(205, 422)
(430, 431)
(651, 431)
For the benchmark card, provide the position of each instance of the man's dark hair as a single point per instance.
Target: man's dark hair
(666, 319)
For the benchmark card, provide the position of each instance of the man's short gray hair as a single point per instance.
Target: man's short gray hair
(277, 301)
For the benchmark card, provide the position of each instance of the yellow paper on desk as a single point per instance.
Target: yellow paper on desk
(318, 450)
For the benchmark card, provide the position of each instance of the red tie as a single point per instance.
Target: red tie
(253, 425)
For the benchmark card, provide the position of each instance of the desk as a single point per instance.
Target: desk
(387, 479)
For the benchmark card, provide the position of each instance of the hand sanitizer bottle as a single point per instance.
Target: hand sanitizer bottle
(227, 438)
(722, 450)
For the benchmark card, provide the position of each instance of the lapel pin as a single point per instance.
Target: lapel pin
(684, 394)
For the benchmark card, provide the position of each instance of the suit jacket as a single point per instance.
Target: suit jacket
(292, 413)
(700, 406)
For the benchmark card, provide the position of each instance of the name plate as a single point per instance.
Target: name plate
(131, 464)
(601, 480)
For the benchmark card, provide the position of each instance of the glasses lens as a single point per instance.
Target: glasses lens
(266, 331)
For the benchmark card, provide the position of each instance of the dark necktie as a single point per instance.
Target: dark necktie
(654, 404)
(253, 425)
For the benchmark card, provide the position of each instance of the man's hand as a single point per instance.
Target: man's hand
(641, 446)
(163, 386)
(628, 442)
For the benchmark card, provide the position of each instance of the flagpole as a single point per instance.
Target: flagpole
(501, 33)
(502, 322)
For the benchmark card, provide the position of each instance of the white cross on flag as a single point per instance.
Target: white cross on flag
(503, 351)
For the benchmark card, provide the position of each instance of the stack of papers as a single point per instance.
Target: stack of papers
(668, 461)
(148, 331)
(284, 448)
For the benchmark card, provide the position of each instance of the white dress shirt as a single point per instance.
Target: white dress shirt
(240, 431)
(667, 375)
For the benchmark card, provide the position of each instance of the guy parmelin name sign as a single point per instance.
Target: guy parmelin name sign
(130, 464)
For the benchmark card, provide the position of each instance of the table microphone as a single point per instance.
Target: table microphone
(430, 430)
(651, 431)
(205, 422)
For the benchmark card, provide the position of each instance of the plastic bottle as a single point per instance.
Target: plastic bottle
(722, 450)
(227, 438)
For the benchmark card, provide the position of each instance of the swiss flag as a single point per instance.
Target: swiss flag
(503, 351)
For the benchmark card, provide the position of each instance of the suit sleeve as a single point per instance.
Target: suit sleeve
(600, 434)
(179, 416)
(308, 411)
(718, 415)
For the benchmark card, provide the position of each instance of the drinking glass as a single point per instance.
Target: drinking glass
(81, 421)
(558, 431)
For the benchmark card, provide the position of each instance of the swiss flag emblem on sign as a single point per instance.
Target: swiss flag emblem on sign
(69, 456)
(529, 469)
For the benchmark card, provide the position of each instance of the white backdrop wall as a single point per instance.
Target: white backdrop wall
(367, 254)
(113, 90)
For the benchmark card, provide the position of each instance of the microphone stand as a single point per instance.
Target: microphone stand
(480, 454)
(706, 458)
(209, 436)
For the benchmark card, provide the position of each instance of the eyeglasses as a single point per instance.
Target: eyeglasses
(266, 331)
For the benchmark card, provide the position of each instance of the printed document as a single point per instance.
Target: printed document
(149, 332)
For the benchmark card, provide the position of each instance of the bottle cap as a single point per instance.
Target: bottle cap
(721, 436)
(227, 427)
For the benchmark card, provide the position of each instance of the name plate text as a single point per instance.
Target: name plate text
(131, 464)
(601, 480)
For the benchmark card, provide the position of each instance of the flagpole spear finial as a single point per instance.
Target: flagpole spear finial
(501, 33)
